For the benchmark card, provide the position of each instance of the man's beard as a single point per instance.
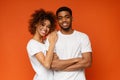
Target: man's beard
(66, 29)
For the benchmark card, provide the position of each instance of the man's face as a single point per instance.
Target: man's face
(64, 20)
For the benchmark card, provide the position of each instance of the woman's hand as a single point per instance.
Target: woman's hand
(52, 37)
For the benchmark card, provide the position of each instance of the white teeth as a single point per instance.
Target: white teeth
(64, 24)
(43, 31)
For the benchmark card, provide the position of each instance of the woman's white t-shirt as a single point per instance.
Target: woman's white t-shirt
(34, 47)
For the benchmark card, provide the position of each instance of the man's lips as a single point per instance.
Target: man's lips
(64, 23)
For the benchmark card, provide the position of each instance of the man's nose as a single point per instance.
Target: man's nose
(63, 19)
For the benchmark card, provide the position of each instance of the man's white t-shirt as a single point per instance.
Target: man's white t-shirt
(42, 73)
(71, 46)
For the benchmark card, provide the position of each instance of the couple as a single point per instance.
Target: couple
(64, 54)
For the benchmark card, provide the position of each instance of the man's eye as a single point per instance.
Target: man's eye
(67, 16)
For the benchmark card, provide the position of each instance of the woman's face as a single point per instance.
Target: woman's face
(43, 28)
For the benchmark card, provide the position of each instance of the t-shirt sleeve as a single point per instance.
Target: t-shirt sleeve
(34, 48)
(86, 45)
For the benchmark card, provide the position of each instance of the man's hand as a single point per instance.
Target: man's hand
(72, 64)
(59, 64)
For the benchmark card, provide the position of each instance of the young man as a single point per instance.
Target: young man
(73, 49)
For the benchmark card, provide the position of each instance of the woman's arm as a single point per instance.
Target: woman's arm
(47, 60)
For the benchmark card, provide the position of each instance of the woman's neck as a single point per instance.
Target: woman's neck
(38, 38)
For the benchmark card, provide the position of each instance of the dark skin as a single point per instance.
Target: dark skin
(65, 22)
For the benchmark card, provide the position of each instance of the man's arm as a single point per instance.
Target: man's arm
(58, 64)
(84, 62)
(72, 64)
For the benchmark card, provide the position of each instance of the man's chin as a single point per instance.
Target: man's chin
(65, 28)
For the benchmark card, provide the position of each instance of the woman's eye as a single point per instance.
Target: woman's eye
(42, 24)
(48, 26)
(59, 18)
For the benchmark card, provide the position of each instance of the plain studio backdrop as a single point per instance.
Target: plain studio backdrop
(100, 19)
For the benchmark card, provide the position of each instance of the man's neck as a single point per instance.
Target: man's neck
(67, 32)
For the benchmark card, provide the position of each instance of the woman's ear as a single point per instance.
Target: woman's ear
(36, 25)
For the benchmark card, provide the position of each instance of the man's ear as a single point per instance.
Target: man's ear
(72, 18)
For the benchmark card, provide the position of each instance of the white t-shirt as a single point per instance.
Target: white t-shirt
(71, 46)
(42, 73)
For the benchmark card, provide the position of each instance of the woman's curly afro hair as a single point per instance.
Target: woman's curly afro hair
(38, 17)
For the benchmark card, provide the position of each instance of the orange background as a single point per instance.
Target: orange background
(100, 19)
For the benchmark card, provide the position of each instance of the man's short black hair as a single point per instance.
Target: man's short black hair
(64, 8)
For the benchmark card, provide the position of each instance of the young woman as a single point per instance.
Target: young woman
(41, 24)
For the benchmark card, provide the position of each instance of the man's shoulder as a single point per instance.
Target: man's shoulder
(80, 33)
